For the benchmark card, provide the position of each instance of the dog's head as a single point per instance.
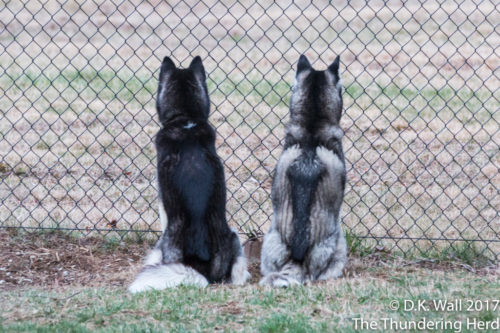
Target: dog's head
(316, 103)
(182, 93)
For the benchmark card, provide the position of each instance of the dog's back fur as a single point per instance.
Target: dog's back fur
(305, 241)
(197, 243)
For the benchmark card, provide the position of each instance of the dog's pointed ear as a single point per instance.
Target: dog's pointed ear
(197, 66)
(334, 67)
(303, 64)
(166, 66)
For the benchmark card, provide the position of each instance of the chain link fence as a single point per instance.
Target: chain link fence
(78, 81)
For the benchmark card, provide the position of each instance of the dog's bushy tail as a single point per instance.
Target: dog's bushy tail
(304, 175)
(156, 275)
(166, 276)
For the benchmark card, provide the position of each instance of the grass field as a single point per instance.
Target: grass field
(421, 110)
(329, 307)
(55, 282)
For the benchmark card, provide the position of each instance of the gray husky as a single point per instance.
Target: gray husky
(305, 241)
(197, 246)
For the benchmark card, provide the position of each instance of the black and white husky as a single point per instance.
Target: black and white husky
(197, 246)
(305, 241)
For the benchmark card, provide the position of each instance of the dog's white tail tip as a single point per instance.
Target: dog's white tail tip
(166, 276)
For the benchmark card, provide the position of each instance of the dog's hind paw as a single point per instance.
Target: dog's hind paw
(278, 280)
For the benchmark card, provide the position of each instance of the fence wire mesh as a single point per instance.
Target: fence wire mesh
(78, 82)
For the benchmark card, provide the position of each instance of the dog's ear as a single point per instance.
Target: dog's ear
(166, 66)
(334, 67)
(303, 64)
(197, 66)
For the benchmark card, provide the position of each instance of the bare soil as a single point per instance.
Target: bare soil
(56, 259)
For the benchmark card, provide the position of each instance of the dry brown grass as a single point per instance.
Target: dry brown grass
(421, 119)
(54, 260)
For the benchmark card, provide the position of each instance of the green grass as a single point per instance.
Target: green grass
(322, 308)
(412, 102)
(358, 245)
(129, 87)
(465, 252)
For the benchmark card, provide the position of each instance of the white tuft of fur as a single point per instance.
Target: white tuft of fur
(340, 84)
(161, 207)
(189, 125)
(153, 258)
(285, 282)
(239, 272)
(280, 282)
(331, 160)
(166, 276)
(163, 217)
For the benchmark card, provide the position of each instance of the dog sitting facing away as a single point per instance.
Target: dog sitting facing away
(197, 246)
(305, 241)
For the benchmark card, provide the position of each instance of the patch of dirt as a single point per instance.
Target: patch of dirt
(56, 259)
(230, 307)
(254, 270)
